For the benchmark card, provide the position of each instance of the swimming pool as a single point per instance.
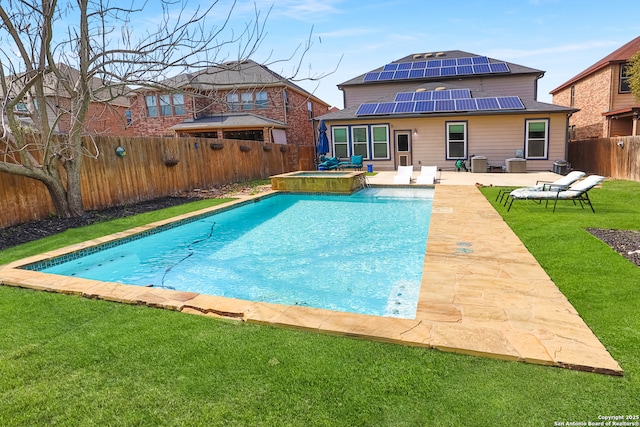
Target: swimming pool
(362, 253)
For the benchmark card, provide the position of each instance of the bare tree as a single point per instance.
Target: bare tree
(57, 57)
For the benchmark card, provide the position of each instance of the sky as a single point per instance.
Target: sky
(347, 38)
(352, 37)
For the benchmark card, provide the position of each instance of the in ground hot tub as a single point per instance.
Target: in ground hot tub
(319, 181)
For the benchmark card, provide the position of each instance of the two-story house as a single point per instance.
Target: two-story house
(435, 108)
(602, 93)
(235, 100)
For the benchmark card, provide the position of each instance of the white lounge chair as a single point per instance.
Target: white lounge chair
(427, 175)
(404, 175)
(559, 184)
(577, 191)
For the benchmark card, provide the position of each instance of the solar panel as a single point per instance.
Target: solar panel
(404, 96)
(464, 69)
(422, 96)
(480, 60)
(404, 66)
(441, 94)
(432, 72)
(419, 64)
(460, 93)
(386, 75)
(385, 108)
(366, 109)
(370, 77)
(499, 67)
(404, 107)
(465, 61)
(390, 67)
(445, 105)
(466, 104)
(425, 106)
(510, 102)
(434, 63)
(480, 69)
(448, 71)
(449, 62)
(401, 74)
(487, 104)
(416, 73)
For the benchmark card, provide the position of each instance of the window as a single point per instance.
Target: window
(165, 105)
(573, 96)
(537, 138)
(178, 104)
(624, 78)
(380, 136)
(360, 141)
(247, 101)
(152, 105)
(340, 142)
(21, 107)
(232, 102)
(127, 114)
(262, 100)
(456, 140)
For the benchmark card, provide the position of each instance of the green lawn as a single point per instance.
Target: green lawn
(69, 361)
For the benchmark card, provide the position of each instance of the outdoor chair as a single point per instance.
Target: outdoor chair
(559, 184)
(404, 175)
(329, 163)
(578, 191)
(427, 175)
(355, 163)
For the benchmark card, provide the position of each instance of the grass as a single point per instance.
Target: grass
(71, 361)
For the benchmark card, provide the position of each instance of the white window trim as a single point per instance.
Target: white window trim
(546, 139)
(333, 140)
(365, 143)
(373, 143)
(465, 141)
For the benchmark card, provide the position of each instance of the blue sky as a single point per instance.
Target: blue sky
(560, 37)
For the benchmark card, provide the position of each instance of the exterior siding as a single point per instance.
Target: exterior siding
(620, 100)
(497, 137)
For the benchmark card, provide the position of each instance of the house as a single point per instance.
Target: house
(235, 100)
(436, 108)
(602, 93)
(108, 112)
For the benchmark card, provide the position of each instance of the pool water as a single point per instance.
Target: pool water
(361, 253)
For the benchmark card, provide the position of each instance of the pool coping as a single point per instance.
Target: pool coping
(482, 293)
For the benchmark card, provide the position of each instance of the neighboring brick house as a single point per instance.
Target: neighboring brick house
(235, 100)
(103, 118)
(603, 96)
(433, 109)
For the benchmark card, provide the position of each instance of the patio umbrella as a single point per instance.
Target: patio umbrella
(323, 141)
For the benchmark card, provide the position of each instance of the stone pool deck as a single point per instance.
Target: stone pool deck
(482, 292)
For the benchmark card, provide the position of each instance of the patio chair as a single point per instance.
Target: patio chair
(427, 175)
(404, 175)
(355, 163)
(578, 191)
(559, 184)
(329, 163)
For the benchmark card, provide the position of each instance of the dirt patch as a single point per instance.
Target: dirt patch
(24, 233)
(625, 242)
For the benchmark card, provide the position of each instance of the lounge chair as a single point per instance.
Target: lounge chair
(404, 175)
(559, 184)
(427, 175)
(577, 191)
(355, 163)
(328, 163)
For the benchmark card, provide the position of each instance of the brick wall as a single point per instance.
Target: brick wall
(102, 119)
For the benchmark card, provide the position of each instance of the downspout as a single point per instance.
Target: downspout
(566, 137)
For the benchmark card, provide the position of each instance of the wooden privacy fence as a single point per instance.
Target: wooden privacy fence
(153, 168)
(617, 157)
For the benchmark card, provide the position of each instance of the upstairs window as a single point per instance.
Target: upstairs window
(152, 105)
(232, 102)
(247, 101)
(624, 78)
(165, 105)
(262, 100)
(178, 104)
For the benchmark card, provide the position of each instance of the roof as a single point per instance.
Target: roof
(530, 106)
(450, 54)
(231, 75)
(620, 55)
(229, 121)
